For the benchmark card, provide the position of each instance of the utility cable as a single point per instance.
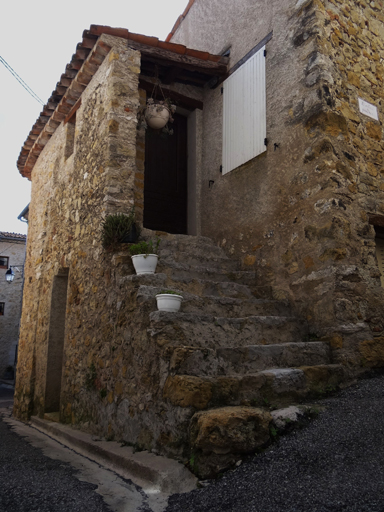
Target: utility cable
(21, 81)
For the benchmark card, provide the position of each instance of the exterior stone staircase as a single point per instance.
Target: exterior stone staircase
(224, 331)
(227, 348)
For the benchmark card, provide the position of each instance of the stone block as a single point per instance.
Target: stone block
(230, 430)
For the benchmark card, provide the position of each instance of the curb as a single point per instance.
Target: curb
(149, 471)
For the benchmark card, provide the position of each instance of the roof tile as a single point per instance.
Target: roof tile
(10, 236)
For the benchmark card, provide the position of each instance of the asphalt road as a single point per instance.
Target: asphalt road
(336, 464)
(40, 474)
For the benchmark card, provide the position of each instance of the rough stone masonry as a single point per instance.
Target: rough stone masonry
(304, 217)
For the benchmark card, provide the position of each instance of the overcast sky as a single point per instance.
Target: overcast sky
(37, 39)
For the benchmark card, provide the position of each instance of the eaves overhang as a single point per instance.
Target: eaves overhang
(176, 62)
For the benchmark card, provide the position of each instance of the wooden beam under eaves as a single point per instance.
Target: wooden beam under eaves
(169, 58)
(179, 99)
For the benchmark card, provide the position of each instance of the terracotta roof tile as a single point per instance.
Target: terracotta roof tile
(140, 38)
(11, 236)
(179, 20)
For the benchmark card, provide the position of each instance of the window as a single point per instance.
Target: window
(4, 261)
(2, 304)
(244, 113)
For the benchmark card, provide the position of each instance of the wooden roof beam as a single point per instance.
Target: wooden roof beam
(178, 98)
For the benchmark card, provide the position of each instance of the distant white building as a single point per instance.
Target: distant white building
(12, 254)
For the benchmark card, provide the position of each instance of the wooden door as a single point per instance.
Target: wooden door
(165, 179)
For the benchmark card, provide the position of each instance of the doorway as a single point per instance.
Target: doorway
(56, 338)
(165, 179)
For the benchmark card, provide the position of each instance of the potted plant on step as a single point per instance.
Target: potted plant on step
(168, 300)
(119, 228)
(144, 256)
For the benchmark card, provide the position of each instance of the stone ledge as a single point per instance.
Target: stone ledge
(145, 469)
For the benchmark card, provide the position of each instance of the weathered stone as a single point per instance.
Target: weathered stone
(283, 418)
(297, 217)
(188, 391)
(374, 131)
(236, 430)
(372, 352)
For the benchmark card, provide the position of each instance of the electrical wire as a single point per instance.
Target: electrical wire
(21, 81)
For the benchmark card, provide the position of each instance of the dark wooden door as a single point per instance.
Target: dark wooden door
(165, 179)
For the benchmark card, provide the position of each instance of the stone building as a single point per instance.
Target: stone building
(269, 200)
(12, 253)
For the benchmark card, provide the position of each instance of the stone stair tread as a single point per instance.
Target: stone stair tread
(209, 287)
(215, 331)
(275, 385)
(177, 269)
(243, 360)
(220, 320)
(212, 304)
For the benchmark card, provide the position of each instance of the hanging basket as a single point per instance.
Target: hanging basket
(157, 115)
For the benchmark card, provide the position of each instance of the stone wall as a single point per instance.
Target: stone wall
(10, 294)
(71, 195)
(298, 213)
(346, 152)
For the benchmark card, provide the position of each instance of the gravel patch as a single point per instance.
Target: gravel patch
(335, 464)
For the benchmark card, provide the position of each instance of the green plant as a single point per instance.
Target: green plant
(115, 228)
(192, 463)
(145, 248)
(170, 292)
(273, 432)
(90, 377)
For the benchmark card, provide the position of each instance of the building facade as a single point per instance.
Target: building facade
(12, 253)
(277, 157)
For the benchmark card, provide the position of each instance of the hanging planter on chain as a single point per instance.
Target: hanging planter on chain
(158, 113)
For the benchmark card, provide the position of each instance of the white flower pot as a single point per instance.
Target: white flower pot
(144, 263)
(156, 115)
(168, 302)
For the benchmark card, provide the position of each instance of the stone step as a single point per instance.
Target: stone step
(210, 272)
(194, 251)
(189, 261)
(277, 387)
(175, 246)
(245, 360)
(205, 272)
(208, 331)
(212, 305)
(207, 288)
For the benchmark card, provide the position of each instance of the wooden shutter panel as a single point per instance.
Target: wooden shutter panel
(244, 113)
(380, 257)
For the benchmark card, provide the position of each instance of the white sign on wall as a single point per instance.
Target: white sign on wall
(368, 109)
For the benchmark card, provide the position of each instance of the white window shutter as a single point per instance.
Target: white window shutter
(244, 113)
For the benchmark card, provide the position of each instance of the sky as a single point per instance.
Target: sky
(37, 39)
